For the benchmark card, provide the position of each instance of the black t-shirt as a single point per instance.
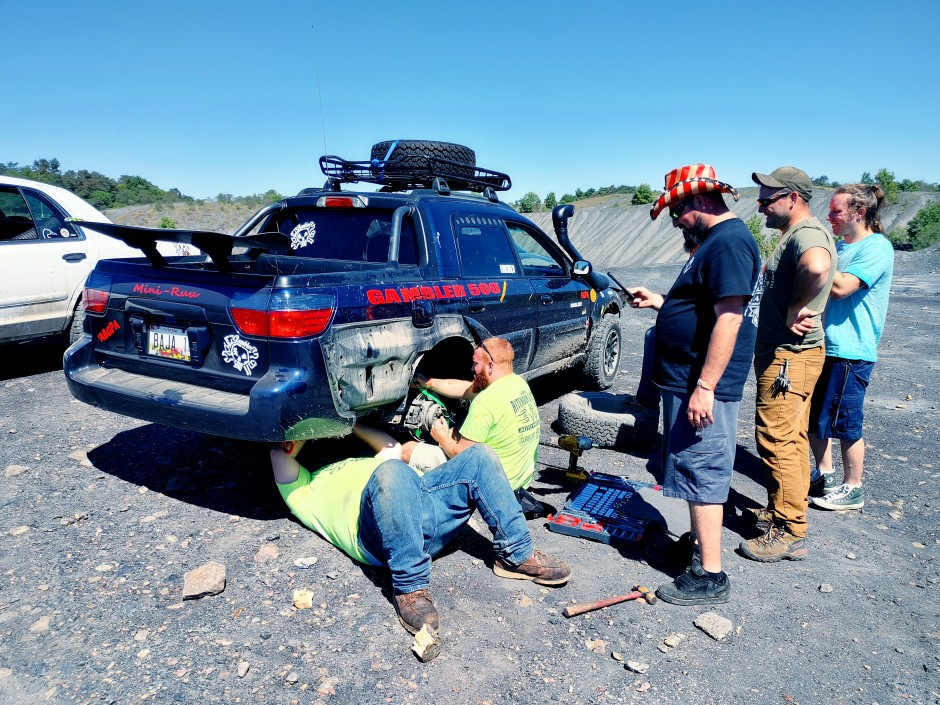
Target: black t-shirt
(724, 265)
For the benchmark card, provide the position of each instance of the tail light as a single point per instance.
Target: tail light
(283, 314)
(96, 293)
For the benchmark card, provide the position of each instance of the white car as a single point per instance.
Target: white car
(48, 246)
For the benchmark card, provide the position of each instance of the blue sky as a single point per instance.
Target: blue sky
(223, 97)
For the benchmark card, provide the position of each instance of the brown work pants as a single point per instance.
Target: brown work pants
(781, 425)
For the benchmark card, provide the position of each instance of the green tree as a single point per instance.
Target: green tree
(271, 196)
(167, 222)
(568, 198)
(550, 200)
(888, 184)
(866, 178)
(766, 245)
(578, 194)
(924, 228)
(529, 202)
(643, 194)
(821, 181)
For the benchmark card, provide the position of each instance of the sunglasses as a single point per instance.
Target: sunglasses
(483, 346)
(762, 202)
(676, 213)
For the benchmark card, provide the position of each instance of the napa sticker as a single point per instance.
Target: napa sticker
(303, 235)
(240, 354)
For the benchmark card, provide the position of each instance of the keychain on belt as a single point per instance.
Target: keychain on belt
(781, 384)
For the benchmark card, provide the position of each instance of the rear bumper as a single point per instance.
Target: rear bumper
(284, 404)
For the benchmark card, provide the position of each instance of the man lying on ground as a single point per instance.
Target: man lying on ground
(382, 512)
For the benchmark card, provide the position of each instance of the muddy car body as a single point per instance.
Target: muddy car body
(321, 308)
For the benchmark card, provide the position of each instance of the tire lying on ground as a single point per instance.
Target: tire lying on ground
(410, 154)
(610, 420)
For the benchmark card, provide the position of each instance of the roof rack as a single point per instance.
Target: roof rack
(420, 172)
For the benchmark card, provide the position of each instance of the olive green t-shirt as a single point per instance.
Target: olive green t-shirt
(504, 417)
(328, 500)
(774, 290)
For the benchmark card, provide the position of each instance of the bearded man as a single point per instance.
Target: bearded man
(502, 414)
(702, 354)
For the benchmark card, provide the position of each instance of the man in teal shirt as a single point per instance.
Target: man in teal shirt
(853, 323)
(383, 512)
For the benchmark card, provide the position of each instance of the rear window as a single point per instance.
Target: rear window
(354, 235)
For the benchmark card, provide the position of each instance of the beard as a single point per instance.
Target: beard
(695, 235)
(480, 381)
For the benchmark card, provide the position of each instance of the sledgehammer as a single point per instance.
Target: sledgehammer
(639, 593)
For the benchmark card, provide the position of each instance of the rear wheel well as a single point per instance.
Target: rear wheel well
(451, 358)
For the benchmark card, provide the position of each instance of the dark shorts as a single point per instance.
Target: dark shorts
(836, 408)
(697, 465)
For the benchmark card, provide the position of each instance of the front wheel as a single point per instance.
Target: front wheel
(602, 362)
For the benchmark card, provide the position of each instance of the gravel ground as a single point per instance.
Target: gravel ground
(102, 516)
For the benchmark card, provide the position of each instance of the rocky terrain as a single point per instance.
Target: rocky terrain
(103, 517)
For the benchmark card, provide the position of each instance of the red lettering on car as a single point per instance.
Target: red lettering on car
(392, 297)
(375, 297)
(108, 331)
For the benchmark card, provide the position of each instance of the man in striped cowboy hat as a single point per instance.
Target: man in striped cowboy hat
(703, 348)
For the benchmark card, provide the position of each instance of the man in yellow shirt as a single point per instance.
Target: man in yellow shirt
(383, 512)
(502, 414)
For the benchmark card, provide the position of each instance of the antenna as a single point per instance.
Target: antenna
(316, 67)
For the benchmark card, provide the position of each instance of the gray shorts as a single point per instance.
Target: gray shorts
(697, 465)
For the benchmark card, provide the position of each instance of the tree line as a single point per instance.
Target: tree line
(104, 192)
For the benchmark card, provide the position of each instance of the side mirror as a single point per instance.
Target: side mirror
(582, 268)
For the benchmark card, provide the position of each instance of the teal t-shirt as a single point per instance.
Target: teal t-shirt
(854, 324)
(328, 500)
(504, 417)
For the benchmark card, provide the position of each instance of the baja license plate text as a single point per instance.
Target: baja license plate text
(168, 343)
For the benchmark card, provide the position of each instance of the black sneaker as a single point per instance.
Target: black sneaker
(695, 587)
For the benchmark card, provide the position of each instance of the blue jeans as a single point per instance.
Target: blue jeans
(407, 518)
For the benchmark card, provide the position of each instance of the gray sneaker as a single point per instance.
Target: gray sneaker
(842, 497)
(823, 485)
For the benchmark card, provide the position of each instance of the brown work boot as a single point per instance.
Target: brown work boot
(763, 518)
(539, 568)
(415, 609)
(775, 545)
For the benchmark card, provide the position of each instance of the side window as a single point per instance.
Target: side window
(537, 260)
(16, 223)
(48, 219)
(484, 249)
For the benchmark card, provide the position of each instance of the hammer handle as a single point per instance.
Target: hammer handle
(582, 607)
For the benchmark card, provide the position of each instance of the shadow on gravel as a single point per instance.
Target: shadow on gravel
(208, 471)
(555, 385)
(30, 358)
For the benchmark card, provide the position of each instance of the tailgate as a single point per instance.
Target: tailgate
(177, 323)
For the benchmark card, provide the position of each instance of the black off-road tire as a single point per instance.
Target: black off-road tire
(610, 420)
(604, 352)
(409, 154)
(77, 326)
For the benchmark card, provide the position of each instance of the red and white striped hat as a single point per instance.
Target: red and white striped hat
(687, 181)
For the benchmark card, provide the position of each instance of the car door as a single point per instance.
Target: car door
(498, 296)
(44, 260)
(562, 303)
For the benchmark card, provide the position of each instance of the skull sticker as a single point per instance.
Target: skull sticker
(240, 354)
(303, 235)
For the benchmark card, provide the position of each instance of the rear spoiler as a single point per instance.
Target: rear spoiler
(217, 246)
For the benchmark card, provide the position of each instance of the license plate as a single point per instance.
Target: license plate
(168, 343)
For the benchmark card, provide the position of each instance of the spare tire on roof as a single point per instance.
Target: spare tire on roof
(410, 154)
(610, 420)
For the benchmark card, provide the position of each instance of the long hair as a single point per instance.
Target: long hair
(868, 197)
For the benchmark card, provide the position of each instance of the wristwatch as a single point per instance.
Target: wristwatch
(707, 388)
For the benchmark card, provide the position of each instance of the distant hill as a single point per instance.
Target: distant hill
(607, 230)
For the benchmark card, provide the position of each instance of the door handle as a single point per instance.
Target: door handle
(547, 298)
(477, 308)
(74, 256)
